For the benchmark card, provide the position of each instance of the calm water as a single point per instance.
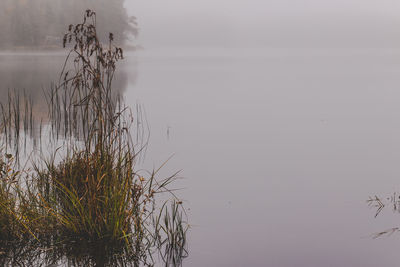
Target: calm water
(280, 148)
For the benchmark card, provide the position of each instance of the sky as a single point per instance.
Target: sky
(267, 22)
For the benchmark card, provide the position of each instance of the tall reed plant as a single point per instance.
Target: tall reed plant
(91, 193)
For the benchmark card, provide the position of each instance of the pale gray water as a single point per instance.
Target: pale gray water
(280, 148)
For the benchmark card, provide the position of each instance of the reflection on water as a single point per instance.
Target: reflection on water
(30, 77)
(34, 73)
(76, 253)
(33, 253)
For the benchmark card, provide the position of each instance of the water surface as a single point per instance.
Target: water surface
(280, 148)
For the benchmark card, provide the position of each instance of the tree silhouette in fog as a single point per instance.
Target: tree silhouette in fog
(34, 23)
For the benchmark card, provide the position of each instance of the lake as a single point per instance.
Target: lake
(279, 148)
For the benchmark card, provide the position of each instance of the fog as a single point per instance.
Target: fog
(178, 23)
(42, 23)
(283, 115)
(272, 23)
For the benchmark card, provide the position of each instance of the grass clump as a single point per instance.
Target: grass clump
(19, 213)
(91, 195)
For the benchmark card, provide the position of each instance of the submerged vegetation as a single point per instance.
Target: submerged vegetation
(86, 203)
(379, 203)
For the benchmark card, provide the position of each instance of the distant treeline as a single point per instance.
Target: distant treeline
(42, 23)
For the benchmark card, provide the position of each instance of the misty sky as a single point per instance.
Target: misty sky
(367, 23)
